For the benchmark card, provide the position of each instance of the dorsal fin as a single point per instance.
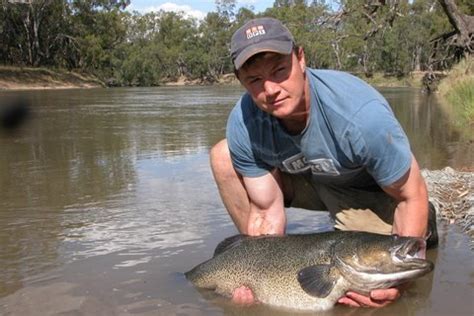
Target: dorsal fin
(228, 243)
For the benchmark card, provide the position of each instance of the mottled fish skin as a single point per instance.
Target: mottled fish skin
(279, 269)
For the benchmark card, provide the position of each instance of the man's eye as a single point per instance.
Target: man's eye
(281, 70)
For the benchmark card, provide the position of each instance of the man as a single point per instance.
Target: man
(314, 139)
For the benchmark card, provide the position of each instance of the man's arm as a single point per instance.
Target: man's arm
(411, 214)
(267, 213)
(255, 204)
(410, 219)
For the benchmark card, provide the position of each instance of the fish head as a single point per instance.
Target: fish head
(380, 261)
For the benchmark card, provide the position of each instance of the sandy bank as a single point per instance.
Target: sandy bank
(226, 79)
(15, 78)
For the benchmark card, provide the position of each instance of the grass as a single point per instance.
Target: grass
(457, 91)
(381, 80)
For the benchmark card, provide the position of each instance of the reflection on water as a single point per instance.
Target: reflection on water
(435, 142)
(106, 195)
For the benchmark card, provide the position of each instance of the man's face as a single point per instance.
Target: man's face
(276, 83)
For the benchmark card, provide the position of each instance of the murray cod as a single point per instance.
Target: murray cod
(312, 271)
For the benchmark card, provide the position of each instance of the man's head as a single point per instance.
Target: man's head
(257, 36)
(271, 68)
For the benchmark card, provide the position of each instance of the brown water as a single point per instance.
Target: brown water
(106, 197)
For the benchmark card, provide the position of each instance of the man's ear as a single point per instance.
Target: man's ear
(236, 73)
(301, 58)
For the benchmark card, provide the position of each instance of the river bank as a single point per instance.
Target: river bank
(18, 78)
(456, 92)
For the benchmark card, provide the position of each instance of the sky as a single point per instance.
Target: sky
(194, 8)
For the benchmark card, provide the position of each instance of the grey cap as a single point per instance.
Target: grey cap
(260, 35)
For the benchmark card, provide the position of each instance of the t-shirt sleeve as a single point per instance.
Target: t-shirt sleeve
(242, 154)
(381, 146)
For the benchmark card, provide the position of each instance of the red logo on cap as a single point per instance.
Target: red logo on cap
(255, 31)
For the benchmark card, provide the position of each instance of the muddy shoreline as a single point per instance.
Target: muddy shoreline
(27, 78)
(16, 78)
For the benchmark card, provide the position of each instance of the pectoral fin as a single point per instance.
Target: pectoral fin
(318, 280)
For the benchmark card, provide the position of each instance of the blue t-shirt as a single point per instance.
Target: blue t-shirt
(352, 137)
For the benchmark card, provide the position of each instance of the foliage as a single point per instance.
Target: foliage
(457, 90)
(122, 48)
(463, 97)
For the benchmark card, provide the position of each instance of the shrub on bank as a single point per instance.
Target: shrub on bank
(457, 89)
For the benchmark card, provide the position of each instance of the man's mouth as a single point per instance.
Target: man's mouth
(277, 103)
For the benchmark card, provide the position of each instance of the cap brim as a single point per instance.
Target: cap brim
(279, 47)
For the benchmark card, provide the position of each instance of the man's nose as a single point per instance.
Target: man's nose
(271, 88)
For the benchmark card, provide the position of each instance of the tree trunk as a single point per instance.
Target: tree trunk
(462, 23)
(335, 47)
(35, 26)
(29, 46)
(417, 58)
(365, 62)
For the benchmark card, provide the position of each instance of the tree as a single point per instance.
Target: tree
(33, 32)
(463, 25)
(96, 36)
(303, 22)
(215, 32)
(99, 28)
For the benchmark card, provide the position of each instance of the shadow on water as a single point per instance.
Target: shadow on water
(107, 197)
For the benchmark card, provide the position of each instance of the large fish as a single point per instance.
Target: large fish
(310, 272)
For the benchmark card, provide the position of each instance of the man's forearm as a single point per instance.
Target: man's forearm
(411, 214)
(256, 222)
(266, 222)
(266, 210)
(411, 218)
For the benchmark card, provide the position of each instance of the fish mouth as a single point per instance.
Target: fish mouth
(410, 255)
(406, 263)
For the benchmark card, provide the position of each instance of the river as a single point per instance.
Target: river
(106, 198)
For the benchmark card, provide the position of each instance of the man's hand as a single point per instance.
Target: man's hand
(410, 219)
(377, 298)
(243, 296)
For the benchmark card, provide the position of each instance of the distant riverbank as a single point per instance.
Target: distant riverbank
(18, 78)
